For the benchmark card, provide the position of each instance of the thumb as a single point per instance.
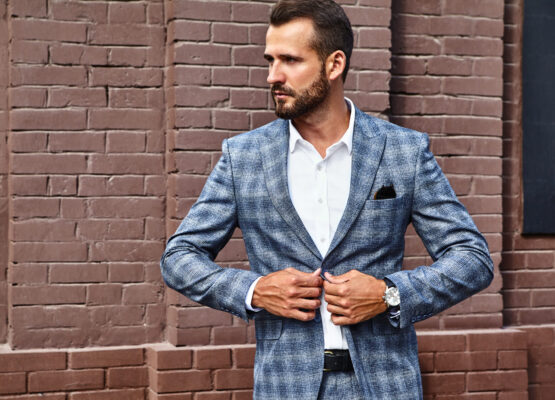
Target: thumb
(317, 272)
(335, 279)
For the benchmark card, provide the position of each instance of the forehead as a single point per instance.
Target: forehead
(291, 37)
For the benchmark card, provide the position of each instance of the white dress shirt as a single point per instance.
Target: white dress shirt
(319, 189)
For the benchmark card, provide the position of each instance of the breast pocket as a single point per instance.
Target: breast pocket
(400, 202)
(383, 222)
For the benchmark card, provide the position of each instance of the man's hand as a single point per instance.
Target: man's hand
(354, 297)
(289, 293)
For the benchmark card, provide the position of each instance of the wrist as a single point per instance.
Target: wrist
(383, 287)
(249, 299)
(256, 295)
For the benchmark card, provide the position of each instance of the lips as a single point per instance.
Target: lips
(281, 92)
(280, 95)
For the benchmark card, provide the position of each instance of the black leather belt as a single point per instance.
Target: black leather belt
(337, 360)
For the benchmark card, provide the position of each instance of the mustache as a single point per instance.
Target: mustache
(278, 87)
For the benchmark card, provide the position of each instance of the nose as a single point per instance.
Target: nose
(275, 75)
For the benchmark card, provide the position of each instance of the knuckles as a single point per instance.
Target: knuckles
(343, 291)
(291, 292)
(308, 316)
(345, 303)
(293, 280)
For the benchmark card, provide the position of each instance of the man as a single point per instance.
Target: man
(323, 196)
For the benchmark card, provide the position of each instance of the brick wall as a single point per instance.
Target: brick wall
(3, 172)
(447, 81)
(528, 261)
(541, 360)
(86, 172)
(487, 365)
(115, 112)
(118, 373)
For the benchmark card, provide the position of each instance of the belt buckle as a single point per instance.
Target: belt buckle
(327, 352)
(330, 352)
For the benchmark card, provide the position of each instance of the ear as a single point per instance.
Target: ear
(335, 65)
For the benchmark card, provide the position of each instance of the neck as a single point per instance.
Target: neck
(325, 125)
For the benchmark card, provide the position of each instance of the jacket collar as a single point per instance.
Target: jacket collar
(368, 144)
(347, 138)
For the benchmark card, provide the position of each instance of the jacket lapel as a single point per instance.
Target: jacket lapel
(368, 146)
(274, 147)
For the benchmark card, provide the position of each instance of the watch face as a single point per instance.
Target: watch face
(392, 297)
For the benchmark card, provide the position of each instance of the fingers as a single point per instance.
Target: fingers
(289, 293)
(336, 279)
(308, 292)
(336, 289)
(300, 278)
(302, 315)
(342, 320)
(307, 304)
(335, 300)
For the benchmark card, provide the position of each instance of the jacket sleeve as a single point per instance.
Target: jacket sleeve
(188, 262)
(462, 265)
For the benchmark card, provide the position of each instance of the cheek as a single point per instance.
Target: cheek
(303, 75)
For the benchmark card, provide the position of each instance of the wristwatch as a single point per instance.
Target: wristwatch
(391, 296)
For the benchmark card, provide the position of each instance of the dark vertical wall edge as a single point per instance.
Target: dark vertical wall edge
(538, 85)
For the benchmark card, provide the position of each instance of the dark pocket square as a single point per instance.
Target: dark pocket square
(385, 192)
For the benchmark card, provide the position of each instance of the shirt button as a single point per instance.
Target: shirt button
(322, 240)
(319, 167)
(320, 200)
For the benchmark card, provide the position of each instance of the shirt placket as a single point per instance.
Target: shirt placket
(323, 220)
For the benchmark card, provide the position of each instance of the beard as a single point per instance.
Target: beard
(304, 101)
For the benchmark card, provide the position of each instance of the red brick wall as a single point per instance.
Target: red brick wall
(457, 365)
(115, 112)
(528, 261)
(541, 360)
(447, 81)
(4, 79)
(86, 172)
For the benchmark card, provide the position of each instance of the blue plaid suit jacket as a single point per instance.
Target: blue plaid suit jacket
(248, 189)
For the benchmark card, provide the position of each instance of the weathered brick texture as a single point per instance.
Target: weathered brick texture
(118, 373)
(87, 195)
(488, 364)
(4, 217)
(112, 115)
(447, 81)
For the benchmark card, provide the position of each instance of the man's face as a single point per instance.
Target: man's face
(296, 73)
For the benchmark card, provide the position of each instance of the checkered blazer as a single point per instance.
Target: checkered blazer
(248, 189)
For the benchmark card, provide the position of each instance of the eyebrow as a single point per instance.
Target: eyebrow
(285, 55)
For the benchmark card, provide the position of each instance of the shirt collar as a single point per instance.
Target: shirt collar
(347, 138)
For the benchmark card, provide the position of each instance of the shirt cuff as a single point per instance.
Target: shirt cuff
(248, 299)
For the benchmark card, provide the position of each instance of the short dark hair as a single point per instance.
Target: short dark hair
(332, 28)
